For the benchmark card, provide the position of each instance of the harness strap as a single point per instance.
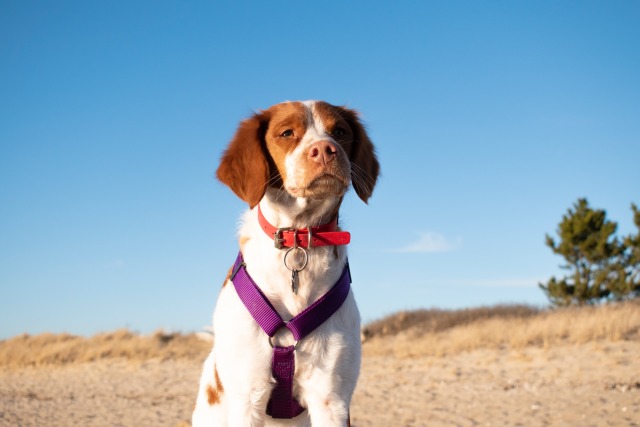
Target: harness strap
(317, 313)
(282, 404)
(256, 302)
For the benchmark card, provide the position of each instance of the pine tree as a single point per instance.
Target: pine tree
(627, 269)
(588, 244)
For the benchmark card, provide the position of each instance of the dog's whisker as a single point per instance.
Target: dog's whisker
(273, 178)
(361, 179)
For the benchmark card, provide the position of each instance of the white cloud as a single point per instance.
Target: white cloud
(431, 242)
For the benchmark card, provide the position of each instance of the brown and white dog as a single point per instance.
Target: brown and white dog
(293, 162)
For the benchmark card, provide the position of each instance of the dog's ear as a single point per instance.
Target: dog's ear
(364, 163)
(244, 166)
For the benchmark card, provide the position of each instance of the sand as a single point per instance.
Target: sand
(593, 384)
(587, 385)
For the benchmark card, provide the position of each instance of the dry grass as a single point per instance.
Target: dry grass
(515, 329)
(436, 320)
(406, 334)
(61, 349)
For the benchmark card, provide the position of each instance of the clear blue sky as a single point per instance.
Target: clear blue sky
(490, 118)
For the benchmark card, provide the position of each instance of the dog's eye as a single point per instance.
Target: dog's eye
(338, 132)
(287, 133)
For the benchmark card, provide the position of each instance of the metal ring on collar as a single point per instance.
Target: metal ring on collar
(306, 258)
(310, 241)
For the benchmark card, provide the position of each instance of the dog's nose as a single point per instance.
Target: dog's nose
(322, 152)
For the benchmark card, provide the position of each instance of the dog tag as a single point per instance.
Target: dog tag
(299, 261)
(294, 281)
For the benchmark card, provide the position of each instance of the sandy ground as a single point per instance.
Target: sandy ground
(596, 384)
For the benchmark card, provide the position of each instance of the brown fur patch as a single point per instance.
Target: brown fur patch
(245, 164)
(212, 395)
(365, 167)
(288, 116)
(219, 385)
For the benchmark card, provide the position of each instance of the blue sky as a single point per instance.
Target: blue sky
(490, 120)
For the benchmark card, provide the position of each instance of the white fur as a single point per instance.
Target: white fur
(327, 361)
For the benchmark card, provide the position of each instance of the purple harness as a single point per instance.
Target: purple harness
(282, 404)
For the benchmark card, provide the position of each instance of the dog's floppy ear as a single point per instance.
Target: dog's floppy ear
(364, 163)
(244, 167)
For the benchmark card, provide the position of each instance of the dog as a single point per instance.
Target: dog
(292, 164)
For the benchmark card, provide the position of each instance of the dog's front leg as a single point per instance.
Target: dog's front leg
(244, 411)
(327, 387)
(327, 398)
(247, 398)
(327, 411)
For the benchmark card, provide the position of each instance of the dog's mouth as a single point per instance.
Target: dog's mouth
(328, 180)
(323, 186)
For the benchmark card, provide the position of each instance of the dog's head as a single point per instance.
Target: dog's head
(309, 149)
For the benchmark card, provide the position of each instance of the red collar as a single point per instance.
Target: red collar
(322, 235)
